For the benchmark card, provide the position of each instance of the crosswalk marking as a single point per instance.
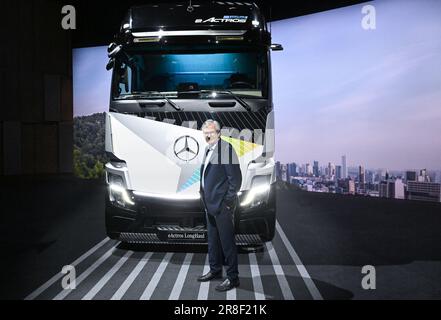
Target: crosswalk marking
(257, 280)
(58, 276)
(101, 283)
(156, 277)
(132, 276)
(283, 283)
(232, 294)
(153, 287)
(177, 288)
(203, 289)
(300, 266)
(86, 273)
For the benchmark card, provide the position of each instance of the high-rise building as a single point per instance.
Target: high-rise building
(383, 189)
(294, 169)
(278, 171)
(303, 170)
(391, 188)
(361, 176)
(411, 176)
(377, 177)
(308, 169)
(315, 169)
(338, 172)
(381, 174)
(323, 170)
(344, 167)
(331, 171)
(423, 177)
(291, 170)
(424, 191)
(370, 177)
(351, 186)
(399, 189)
(283, 168)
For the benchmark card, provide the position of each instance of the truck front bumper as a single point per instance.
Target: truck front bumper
(154, 220)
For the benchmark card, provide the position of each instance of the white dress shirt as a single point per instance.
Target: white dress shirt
(207, 160)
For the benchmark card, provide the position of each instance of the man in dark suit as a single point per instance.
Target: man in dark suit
(221, 179)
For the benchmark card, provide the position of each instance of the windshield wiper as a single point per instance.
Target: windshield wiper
(174, 105)
(228, 92)
(148, 95)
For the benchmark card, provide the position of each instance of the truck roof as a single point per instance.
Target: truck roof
(215, 15)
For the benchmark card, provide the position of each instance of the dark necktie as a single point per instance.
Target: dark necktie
(203, 165)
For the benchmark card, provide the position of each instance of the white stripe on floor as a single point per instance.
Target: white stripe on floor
(203, 289)
(58, 276)
(132, 276)
(257, 280)
(283, 283)
(179, 283)
(299, 264)
(102, 282)
(156, 277)
(86, 273)
(232, 294)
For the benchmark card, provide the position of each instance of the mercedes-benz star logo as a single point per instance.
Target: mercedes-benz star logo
(186, 148)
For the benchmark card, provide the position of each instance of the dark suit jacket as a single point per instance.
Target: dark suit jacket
(223, 178)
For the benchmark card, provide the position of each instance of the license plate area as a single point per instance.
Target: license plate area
(181, 235)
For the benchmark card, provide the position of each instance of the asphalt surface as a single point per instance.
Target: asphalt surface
(321, 244)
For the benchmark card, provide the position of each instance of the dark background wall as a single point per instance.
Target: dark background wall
(36, 73)
(35, 89)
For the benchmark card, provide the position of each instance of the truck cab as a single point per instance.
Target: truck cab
(173, 67)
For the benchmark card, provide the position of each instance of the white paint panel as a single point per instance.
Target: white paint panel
(149, 169)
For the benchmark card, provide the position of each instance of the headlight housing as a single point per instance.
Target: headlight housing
(258, 193)
(118, 192)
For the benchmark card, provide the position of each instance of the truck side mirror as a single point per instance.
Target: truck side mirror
(114, 50)
(110, 64)
(111, 47)
(276, 47)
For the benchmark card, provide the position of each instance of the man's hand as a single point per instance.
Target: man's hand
(229, 204)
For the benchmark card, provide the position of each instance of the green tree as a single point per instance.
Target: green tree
(89, 153)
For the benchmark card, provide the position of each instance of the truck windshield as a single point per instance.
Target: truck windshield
(169, 74)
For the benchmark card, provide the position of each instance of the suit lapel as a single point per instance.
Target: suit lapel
(202, 166)
(213, 153)
(205, 156)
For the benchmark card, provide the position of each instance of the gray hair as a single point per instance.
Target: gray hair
(211, 122)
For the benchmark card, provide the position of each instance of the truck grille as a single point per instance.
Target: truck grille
(238, 120)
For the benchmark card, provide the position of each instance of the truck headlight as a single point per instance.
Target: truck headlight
(118, 191)
(259, 191)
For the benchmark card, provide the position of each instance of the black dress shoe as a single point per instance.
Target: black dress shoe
(227, 284)
(210, 276)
